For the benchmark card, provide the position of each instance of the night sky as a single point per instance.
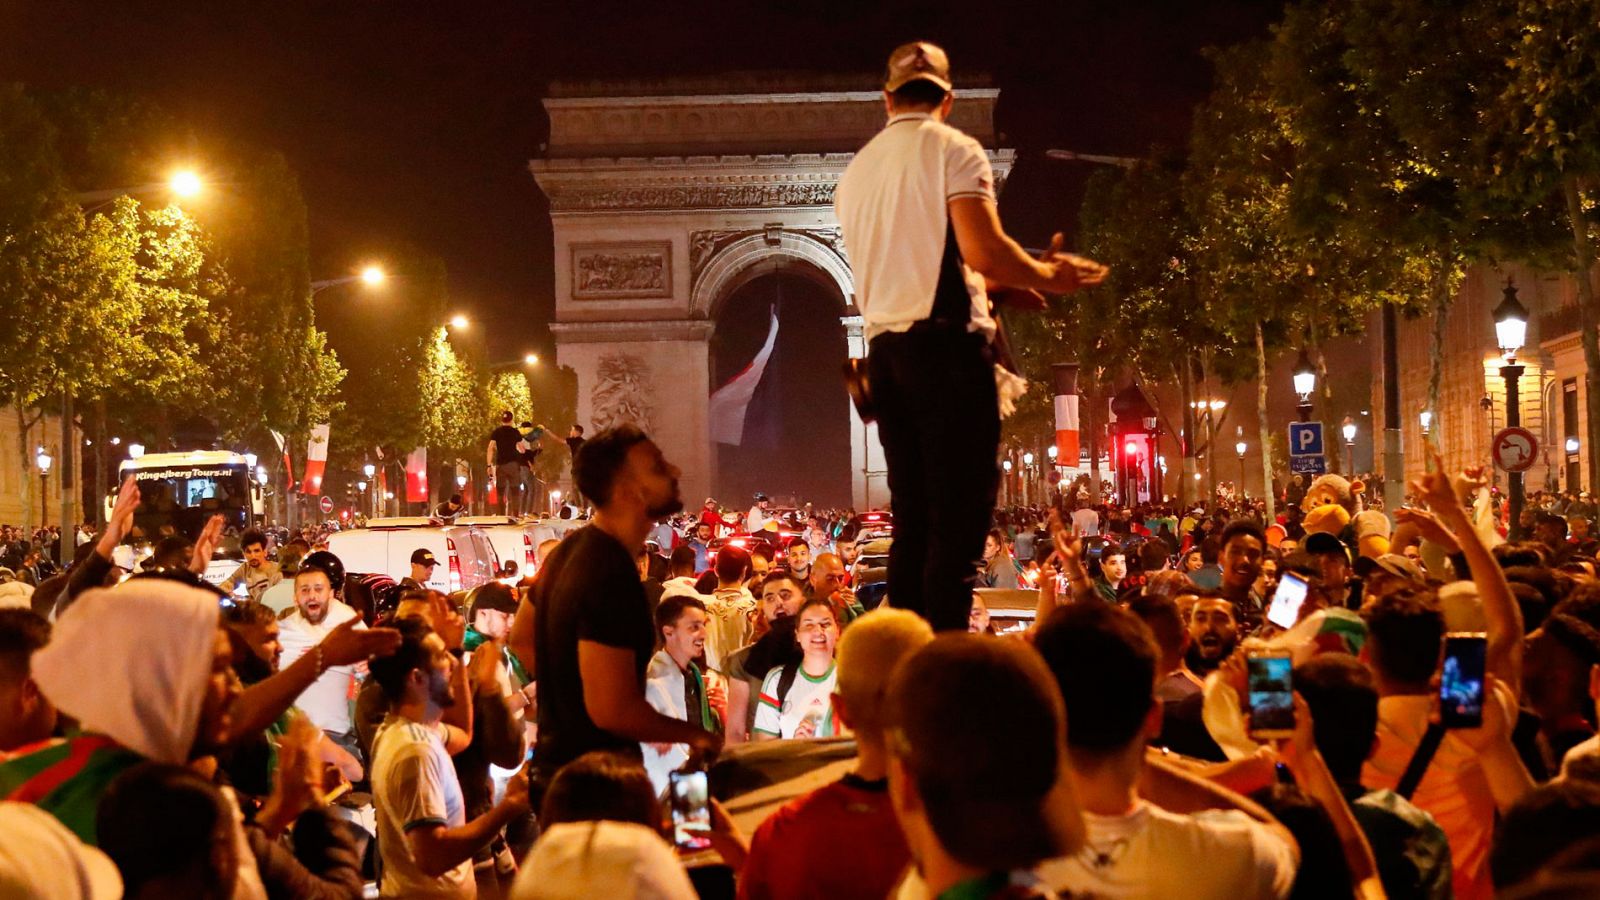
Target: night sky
(413, 122)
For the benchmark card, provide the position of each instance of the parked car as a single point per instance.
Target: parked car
(513, 539)
(466, 555)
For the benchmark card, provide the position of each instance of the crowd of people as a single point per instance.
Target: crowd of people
(531, 740)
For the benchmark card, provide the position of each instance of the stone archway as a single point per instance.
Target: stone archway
(668, 198)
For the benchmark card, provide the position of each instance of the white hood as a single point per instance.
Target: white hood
(132, 663)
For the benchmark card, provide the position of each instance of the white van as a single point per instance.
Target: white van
(519, 539)
(466, 557)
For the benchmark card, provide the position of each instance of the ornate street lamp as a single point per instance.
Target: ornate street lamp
(1240, 447)
(1349, 429)
(1305, 383)
(1511, 332)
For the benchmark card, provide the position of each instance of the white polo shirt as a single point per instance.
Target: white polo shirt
(327, 701)
(893, 205)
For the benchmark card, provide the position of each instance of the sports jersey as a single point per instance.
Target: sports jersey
(66, 778)
(808, 698)
(414, 785)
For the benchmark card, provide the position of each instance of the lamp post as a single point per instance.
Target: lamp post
(1426, 418)
(555, 501)
(1305, 383)
(1027, 482)
(1240, 447)
(43, 460)
(1511, 330)
(370, 470)
(1349, 429)
(1006, 465)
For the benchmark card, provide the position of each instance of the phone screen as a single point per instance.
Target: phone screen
(691, 810)
(1271, 689)
(1461, 680)
(1287, 600)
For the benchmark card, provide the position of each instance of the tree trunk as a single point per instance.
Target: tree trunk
(1186, 440)
(1440, 289)
(1589, 322)
(25, 458)
(1092, 417)
(1320, 361)
(100, 491)
(1266, 429)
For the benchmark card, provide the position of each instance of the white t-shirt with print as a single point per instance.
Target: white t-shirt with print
(1150, 852)
(808, 698)
(414, 784)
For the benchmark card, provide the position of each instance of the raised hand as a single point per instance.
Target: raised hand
(347, 645)
(206, 545)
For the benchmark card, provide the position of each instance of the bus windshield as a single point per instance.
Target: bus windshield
(179, 500)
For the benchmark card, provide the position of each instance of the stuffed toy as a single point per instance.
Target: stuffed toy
(1330, 504)
(1370, 533)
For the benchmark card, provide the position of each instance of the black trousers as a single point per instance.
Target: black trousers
(939, 422)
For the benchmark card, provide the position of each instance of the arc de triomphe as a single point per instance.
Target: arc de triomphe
(665, 198)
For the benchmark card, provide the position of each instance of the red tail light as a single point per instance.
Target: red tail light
(455, 565)
(527, 553)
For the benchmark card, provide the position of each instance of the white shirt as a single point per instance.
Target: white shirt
(1150, 852)
(664, 691)
(893, 204)
(1085, 522)
(280, 596)
(413, 785)
(808, 698)
(327, 701)
(755, 519)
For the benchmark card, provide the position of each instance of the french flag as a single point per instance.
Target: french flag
(316, 460)
(730, 403)
(417, 476)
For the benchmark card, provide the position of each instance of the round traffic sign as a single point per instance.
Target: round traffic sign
(1515, 449)
(326, 503)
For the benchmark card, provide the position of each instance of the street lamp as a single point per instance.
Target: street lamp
(555, 501)
(371, 276)
(459, 322)
(531, 359)
(1426, 417)
(1349, 429)
(1305, 383)
(261, 475)
(135, 451)
(43, 459)
(185, 183)
(369, 470)
(1510, 331)
(1240, 447)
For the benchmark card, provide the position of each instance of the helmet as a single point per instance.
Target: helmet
(760, 496)
(329, 565)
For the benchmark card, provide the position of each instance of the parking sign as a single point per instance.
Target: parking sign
(1305, 438)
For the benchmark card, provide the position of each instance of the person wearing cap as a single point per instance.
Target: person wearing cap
(983, 797)
(850, 823)
(1105, 662)
(917, 208)
(422, 563)
(757, 518)
(1333, 562)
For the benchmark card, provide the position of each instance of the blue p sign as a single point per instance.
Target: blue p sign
(1305, 439)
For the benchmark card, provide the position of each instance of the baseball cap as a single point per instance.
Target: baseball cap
(493, 595)
(993, 779)
(918, 61)
(423, 557)
(1321, 542)
(1401, 567)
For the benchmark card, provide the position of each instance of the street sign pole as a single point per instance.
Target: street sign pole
(1511, 373)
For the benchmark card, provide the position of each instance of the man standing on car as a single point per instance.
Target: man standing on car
(504, 458)
(917, 205)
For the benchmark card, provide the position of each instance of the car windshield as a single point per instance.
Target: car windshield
(179, 500)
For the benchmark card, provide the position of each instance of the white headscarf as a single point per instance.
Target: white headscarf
(613, 860)
(132, 662)
(40, 858)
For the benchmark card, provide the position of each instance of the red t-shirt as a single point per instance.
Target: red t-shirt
(836, 842)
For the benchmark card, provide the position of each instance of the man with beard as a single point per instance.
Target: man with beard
(317, 612)
(593, 636)
(781, 598)
(1212, 636)
(424, 837)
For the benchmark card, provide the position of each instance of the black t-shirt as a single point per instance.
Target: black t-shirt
(505, 440)
(574, 444)
(587, 590)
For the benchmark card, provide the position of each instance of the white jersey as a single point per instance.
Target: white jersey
(808, 698)
(1151, 852)
(414, 785)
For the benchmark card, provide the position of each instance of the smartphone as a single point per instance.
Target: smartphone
(1271, 694)
(690, 797)
(1461, 679)
(1287, 600)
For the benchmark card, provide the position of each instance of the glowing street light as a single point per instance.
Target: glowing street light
(1511, 331)
(261, 475)
(135, 451)
(369, 470)
(185, 183)
(361, 486)
(531, 359)
(459, 322)
(372, 276)
(43, 460)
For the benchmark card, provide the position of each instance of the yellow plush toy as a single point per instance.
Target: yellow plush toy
(1330, 503)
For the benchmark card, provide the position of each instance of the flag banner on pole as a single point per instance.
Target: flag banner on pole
(731, 403)
(1066, 410)
(417, 476)
(283, 447)
(316, 460)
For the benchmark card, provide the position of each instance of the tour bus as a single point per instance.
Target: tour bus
(180, 492)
